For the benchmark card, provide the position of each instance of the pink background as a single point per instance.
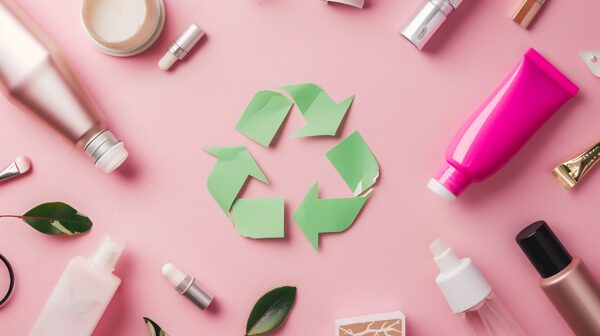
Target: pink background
(408, 106)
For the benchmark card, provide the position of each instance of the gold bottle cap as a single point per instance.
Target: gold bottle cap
(570, 173)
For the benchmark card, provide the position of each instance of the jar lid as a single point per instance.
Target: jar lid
(123, 28)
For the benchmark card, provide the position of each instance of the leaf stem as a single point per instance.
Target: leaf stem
(10, 216)
(25, 217)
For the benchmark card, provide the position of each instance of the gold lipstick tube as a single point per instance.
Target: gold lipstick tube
(569, 173)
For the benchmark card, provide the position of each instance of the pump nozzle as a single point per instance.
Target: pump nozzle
(443, 256)
(107, 253)
(459, 280)
(438, 247)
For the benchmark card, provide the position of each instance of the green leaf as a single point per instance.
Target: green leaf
(153, 328)
(270, 310)
(57, 219)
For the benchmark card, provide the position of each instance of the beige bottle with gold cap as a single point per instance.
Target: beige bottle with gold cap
(36, 77)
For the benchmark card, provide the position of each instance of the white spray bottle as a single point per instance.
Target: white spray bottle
(470, 295)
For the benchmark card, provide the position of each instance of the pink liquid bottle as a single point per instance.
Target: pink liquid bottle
(470, 295)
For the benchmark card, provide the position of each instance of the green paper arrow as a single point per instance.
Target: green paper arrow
(355, 163)
(315, 216)
(263, 116)
(322, 114)
(230, 173)
(259, 217)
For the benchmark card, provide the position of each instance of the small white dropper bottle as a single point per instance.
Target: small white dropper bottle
(186, 285)
(470, 295)
(181, 47)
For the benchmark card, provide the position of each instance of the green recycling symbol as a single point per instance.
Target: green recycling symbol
(264, 217)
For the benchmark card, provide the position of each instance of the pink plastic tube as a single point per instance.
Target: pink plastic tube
(532, 92)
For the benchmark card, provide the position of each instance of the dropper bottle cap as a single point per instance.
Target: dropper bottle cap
(460, 281)
(186, 285)
(181, 47)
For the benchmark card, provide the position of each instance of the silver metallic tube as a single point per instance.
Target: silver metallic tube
(427, 20)
(194, 292)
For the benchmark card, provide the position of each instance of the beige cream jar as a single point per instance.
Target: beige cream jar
(123, 27)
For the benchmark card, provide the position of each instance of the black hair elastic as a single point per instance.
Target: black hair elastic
(11, 275)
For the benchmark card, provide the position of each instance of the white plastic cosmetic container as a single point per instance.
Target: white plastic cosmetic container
(123, 27)
(82, 294)
(470, 295)
(181, 47)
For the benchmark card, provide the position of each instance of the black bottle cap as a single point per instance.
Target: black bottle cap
(543, 249)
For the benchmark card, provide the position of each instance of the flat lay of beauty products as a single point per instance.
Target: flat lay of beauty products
(462, 137)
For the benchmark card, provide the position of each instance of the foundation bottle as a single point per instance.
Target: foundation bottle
(566, 281)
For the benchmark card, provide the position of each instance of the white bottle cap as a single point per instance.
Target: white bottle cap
(440, 190)
(107, 253)
(113, 158)
(173, 274)
(167, 61)
(107, 152)
(460, 281)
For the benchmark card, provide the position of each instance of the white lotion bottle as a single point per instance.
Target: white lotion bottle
(470, 295)
(82, 294)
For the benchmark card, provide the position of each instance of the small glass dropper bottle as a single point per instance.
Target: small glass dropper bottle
(470, 295)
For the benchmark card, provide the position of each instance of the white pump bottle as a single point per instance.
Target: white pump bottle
(82, 294)
(470, 295)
